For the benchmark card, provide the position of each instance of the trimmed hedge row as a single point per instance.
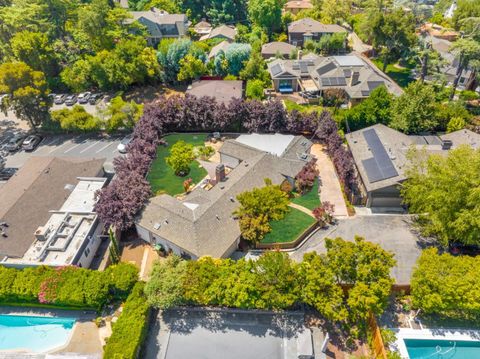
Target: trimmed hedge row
(129, 332)
(66, 286)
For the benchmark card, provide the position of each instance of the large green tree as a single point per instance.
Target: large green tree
(181, 157)
(445, 193)
(266, 14)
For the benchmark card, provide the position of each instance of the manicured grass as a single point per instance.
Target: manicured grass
(289, 228)
(400, 76)
(310, 200)
(161, 175)
(290, 105)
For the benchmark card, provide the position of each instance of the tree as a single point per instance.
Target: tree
(181, 156)
(444, 193)
(324, 213)
(331, 43)
(467, 50)
(114, 251)
(254, 89)
(216, 11)
(306, 177)
(414, 110)
(236, 55)
(169, 55)
(165, 288)
(75, 119)
(335, 11)
(266, 14)
(121, 114)
(254, 69)
(191, 68)
(28, 92)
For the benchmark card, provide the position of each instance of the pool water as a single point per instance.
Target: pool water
(442, 349)
(35, 334)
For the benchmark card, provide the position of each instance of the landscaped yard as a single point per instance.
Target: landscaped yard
(163, 178)
(289, 228)
(310, 200)
(290, 105)
(400, 75)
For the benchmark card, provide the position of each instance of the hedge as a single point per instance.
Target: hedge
(129, 332)
(66, 286)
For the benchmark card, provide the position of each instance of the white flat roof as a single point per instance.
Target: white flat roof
(349, 60)
(275, 144)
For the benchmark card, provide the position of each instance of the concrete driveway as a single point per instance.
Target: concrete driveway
(392, 232)
(330, 189)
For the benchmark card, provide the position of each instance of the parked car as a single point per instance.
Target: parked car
(84, 97)
(71, 100)
(95, 98)
(15, 143)
(31, 142)
(59, 99)
(122, 146)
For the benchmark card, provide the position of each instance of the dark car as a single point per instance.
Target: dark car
(71, 100)
(31, 142)
(94, 98)
(15, 143)
(59, 99)
(459, 249)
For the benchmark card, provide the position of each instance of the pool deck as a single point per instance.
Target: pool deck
(84, 338)
(431, 334)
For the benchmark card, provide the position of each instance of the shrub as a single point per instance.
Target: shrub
(181, 155)
(76, 119)
(455, 124)
(254, 89)
(129, 332)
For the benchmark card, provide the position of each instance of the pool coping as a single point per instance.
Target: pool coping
(431, 334)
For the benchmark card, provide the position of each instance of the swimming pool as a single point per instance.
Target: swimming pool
(436, 349)
(35, 334)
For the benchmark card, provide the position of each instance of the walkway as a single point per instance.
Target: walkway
(302, 209)
(330, 189)
(141, 254)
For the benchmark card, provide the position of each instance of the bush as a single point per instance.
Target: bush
(75, 119)
(254, 89)
(469, 95)
(129, 332)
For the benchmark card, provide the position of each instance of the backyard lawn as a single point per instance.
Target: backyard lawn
(289, 228)
(400, 75)
(290, 105)
(163, 178)
(310, 200)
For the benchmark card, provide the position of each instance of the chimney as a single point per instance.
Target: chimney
(300, 53)
(354, 78)
(220, 173)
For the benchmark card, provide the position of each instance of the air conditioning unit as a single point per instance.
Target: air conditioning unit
(41, 234)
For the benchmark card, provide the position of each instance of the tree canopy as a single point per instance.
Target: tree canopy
(180, 158)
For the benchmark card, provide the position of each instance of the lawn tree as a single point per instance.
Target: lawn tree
(181, 156)
(27, 90)
(444, 191)
(165, 288)
(306, 177)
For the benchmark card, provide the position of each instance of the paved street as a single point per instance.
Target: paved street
(392, 232)
(88, 146)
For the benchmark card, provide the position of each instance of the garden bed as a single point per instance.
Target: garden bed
(311, 199)
(290, 228)
(162, 178)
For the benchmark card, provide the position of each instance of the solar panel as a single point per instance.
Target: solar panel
(303, 67)
(372, 85)
(341, 81)
(326, 68)
(296, 66)
(325, 81)
(276, 69)
(380, 166)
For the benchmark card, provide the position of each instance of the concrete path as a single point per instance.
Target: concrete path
(301, 208)
(330, 189)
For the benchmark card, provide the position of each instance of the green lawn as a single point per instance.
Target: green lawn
(290, 105)
(289, 228)
(161, 175)
(311, 199)
(400, 76)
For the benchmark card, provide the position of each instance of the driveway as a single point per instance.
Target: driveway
(392, 232)
(330, 189)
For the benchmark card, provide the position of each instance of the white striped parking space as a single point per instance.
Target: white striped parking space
(90, 146)
(75, 146)
(104, 147)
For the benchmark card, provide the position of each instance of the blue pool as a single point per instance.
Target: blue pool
(36, 334)
(442, 349)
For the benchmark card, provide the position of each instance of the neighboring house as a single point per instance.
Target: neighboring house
(160, 24)
(449, 70)
(306, 29)
(223, 46)
(439, 32)
(202, 223)
(278, 48)
(202, 28)
(296, 6)
(47, 213)
(380, 155)
(222, 32)
(223, 91)
(315, 74)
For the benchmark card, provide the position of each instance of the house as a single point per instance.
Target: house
(380, 155)
(439, 32)
(223, 91)
(47, 215)
(223, 46)
(160, 24)
(306, 29)
(296, 6)
(278, 49)
(356, 76)
(221, 32)
(202, 223)
(202, 28)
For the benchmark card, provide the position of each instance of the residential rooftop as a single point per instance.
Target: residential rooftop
(308, 25)
(223, 91)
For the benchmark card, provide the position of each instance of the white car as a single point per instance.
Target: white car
(122, 146)
(84, 97)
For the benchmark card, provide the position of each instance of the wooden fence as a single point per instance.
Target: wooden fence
(377, 341)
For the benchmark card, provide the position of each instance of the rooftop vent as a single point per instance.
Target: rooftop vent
(41, 233)
(156, 226)
(447, 144)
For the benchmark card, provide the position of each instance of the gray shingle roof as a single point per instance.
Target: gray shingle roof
(225, 31)
(278, 47)
(309, 25)
(222, 90)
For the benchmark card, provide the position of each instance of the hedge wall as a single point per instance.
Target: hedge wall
(66, 286)
(131, 328)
